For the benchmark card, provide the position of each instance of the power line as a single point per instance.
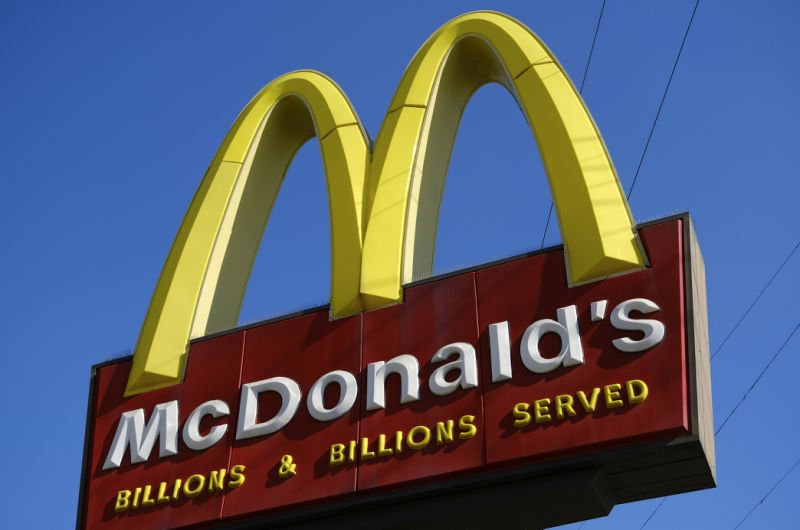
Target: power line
(752, 386)
(591, 50)
(644, 152)
(660, 504)
(546, 225)
(738, 323)
(773, 488)
(732, 412)
(753, 303)
(583, 82)
(663, 98)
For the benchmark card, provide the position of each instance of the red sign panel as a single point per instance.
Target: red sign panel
(514, 292)
(473, 373)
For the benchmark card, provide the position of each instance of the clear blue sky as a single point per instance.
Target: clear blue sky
(111, 113)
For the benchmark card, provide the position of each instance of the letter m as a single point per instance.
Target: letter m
(140, 438)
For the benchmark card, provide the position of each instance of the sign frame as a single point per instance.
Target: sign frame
(557, 491)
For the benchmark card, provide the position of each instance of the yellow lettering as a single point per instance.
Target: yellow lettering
(521, 416)
(366, 454)
(541, 413)
(236, 477)
(612, 395)
(351, 453)
(145, 496)
(590, 404)
(564, 403)
(382, 449)
(337, 455)
(416, 445)
(193, 491)
(216, 480)
(146, 500)
(176, 489)
(637, 391)
(162, 496)
(444, 432)
(398, 442)
(467, 427)
(123, 501)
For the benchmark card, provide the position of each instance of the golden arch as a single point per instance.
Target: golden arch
(384, 203)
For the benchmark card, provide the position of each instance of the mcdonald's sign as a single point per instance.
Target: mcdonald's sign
(552, 385)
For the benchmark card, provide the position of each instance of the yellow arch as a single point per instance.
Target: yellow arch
(383, 205)
(413, 148)
(204, 278)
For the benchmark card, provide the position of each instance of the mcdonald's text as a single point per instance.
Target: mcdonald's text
(456, 368)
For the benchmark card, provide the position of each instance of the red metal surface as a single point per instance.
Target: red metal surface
(431, 316)
(211, 373)
(454, 309)
(526, 290)
(303, 349)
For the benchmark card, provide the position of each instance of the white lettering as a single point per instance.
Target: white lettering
(500, 351)
(466, 364)
(215, 408)
(406, 366)
(566, 328)
(454, 366)
(348, 390)
(653, 330)
(132, 433)
(290, 394)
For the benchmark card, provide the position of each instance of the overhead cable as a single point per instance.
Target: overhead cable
(583, 82)
(663, 98)
(732, 412)
(660, 504)
(773, 488)
(760, 375)
(755, 300)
